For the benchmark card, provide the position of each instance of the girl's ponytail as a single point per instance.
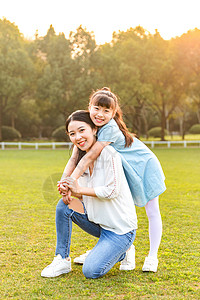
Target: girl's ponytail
(122, 126)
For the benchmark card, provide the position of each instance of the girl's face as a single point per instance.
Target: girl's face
(82, 135)
(100, 115)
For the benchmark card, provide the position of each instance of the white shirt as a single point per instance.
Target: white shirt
(113, 208)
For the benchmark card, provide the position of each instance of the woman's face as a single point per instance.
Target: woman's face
(82, 135)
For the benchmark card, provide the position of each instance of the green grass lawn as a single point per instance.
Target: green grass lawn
(188, 137)
(28, 199)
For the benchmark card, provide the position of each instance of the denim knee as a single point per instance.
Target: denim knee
(62, 208)
(91, 271)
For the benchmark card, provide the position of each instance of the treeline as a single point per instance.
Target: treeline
(43, 81)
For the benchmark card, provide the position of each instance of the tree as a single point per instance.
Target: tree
(28, 120)
(122, 66)
(16, 70)
(55, 82)
(86, 77)
(164, 78)
(187, 48)
(68, 74)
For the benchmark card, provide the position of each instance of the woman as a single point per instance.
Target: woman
(107, 210)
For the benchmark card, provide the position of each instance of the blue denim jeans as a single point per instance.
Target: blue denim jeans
(110, 248)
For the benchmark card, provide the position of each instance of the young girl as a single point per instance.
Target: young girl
(107, 210)
(142, 169)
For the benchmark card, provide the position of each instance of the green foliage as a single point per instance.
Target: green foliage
(28, 234)
(16, 70)
(156, 132)
(28, 119)
(10, 133)
(59, 134)
(195, 129)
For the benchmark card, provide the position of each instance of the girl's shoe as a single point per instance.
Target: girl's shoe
(80, 259)
(150, 264)
(128, 263)
(58, 266)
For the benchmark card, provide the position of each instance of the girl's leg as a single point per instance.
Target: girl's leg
(155, 226)
(110, 249)
(64, 218)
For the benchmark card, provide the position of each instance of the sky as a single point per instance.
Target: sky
(170, 17)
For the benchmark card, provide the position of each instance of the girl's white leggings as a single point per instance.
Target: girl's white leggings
(155, 225)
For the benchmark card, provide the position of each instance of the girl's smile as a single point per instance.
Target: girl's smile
(100, 115)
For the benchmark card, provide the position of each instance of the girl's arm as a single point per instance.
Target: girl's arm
(71, 164)
(63, 190)
(112, 177)
(89, 158)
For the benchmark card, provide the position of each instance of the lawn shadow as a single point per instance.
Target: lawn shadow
(50, 190)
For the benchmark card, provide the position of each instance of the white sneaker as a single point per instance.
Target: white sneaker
(80, 259)
(58, 266)
(128, 263)
(150, 264)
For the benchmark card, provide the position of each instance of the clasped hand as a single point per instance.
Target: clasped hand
(68, 187)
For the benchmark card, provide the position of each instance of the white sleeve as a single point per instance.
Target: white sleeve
(112, 172)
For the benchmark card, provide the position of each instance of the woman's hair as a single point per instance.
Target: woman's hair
(82, 116)
(104, 97)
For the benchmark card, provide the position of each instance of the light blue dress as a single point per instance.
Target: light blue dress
(141, 167)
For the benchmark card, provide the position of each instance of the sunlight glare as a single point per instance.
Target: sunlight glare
(171, 18)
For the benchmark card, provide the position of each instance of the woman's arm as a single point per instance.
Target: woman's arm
(77, 189)
(89, 158)
(112, 174)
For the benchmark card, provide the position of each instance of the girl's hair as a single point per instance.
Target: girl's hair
(104, 97)
(82, 116)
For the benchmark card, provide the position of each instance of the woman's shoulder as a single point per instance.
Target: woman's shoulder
(108, 152)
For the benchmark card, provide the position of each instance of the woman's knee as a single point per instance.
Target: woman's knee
(60, 204)
(91, 271)
(61, 207)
